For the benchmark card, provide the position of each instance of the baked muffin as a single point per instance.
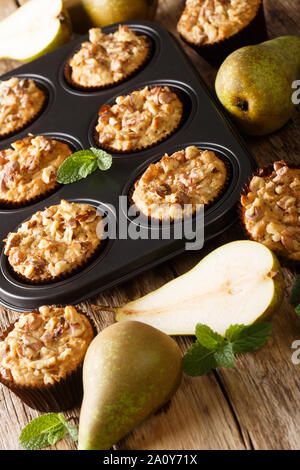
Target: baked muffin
(218, 27)
(139, 120)
(271, 209)
(28, 169)
(107, 59)
(54, 242)
(21, 100)
(172, 187)
(41, 357)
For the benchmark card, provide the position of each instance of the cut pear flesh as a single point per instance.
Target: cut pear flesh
(33, 29)
(237, 283)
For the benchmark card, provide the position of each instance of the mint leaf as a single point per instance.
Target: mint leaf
(252, 337)
(77, 166)
(72, 430)
(208, 338)
(56, 434)
(233, 332)
(212, 350)
(46, 430)
(295, 297)
(81, 164)
(37, 433)
(225, 357)
(104, 159)
(198, 360)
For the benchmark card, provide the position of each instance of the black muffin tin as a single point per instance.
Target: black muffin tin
(70, 115)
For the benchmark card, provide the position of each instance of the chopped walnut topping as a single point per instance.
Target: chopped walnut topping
(108, 58)
(33, 323)
(209, 21)
(45, 346)
(54, 241)
(271, 210)
(140, 119)
(20, 101)
(186, 177)
(28, 168)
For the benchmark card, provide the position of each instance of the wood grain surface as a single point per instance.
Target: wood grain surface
(256, 404)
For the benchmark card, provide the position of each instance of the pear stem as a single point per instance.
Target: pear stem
(101, 308)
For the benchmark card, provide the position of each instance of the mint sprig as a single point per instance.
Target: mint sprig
(71, 430)
(295, 297)
(212, 350)
(46, 430)
(81, 164)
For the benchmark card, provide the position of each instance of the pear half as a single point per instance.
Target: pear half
(36, 28)
(239, 283)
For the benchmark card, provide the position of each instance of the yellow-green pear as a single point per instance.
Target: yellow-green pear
(255, 82)
(105, 12)
(238, 283)
(36, 28)
(130, 371)
(81, 23)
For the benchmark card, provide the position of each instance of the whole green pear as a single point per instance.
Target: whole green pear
(254, 84)
(105, 12)
(130, 371)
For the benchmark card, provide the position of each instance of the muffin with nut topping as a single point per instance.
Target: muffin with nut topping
(215, 28)
(28, 169)
(270, 209)
(54, 242)
(41, 357)
(107, 59)
(139, 120)
(21, 100)
(173, 187)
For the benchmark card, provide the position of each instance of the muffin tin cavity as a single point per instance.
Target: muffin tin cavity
(185, 95)
(74, 146)
(65, 69)
(71, 115)
(231, 177)
(107, 215)
(89, 89)
(43, 84)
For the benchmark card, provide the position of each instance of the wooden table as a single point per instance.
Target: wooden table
(256, 404)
